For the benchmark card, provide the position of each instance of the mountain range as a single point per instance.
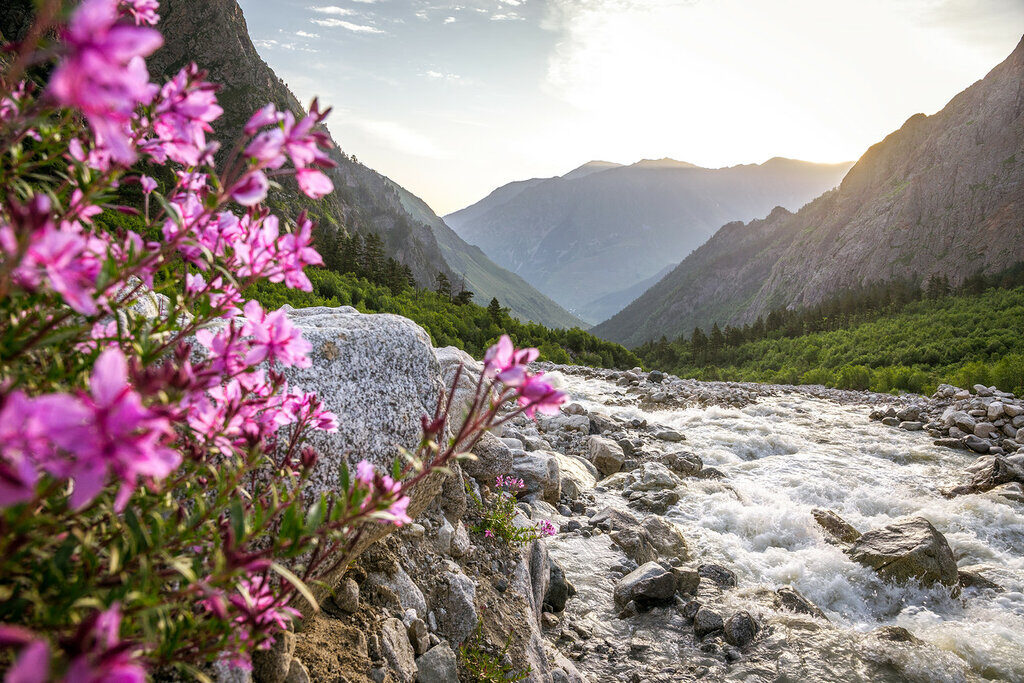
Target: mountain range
(943, 195)
(592, 238)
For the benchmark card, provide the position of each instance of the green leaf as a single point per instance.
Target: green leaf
(295, 581)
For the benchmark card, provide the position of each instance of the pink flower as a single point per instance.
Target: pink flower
(103, 73)
(148, 184)
(396, 513)
(267, 149)
(260, 608)
(537, 395)
(143, 11)
(106, 657)
(488, 533)
(264, 117)
(546, 528)
(33, 663)
(365, 473)
(507, 363)
(313, 183)
(274, 338)
(183, 112)
(251, 189)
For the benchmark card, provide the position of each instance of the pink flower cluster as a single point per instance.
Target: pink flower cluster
(385, 489)
(85, 438)
(509, 482)
(102, 655)
(545, 528)
(509, 365)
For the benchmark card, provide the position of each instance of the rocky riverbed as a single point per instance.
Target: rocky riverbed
(705, 531)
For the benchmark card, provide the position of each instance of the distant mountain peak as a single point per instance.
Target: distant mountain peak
(590, 167)
(664, 163)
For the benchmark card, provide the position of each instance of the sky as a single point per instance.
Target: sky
(453, 99)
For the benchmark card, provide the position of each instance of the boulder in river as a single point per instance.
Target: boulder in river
(908, 549)
(793, 600)
(837, 528)
(741, 629)
(647, 585)
(606, 455)
(990, 472)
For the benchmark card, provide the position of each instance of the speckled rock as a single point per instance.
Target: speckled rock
(438, 665)
(908, 549)
(493, 458)
(397, 650)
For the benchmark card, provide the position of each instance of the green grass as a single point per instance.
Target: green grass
(961, 340)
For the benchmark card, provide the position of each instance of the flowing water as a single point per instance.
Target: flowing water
(783, 456)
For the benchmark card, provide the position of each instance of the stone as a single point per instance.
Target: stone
(895, 634)
(984, 430)
(665, 537)
(347, 596)
(982, 390)
(657, 502)
(379, 374)
(962, 421)
(453, 494)
(635, 544)
(1011, 493)
(891, 421)
(647, 585)
(559, 589)
(438, 665)
(399, 582)
(741, 629)
(297, 672)
(271, 666)
(460, 540)
(687, 580)
(600, 424)
(990, 472)
(682, 463)
(419, 637)
(574, 409)
(995, 411)
(443, 541)
(973, 576)
(540, 473)
(612, 518)
(669, 435)
(578, 475)
(977, 444)
(1012, 410)
(716, 573)
(397, 650)
(791, 599)
(836, 528)
(493, 457)
(459, 604)
(908, 549)
(911, 426)
(656, 376)
(605, 454)
(651, 476)
(706, 622)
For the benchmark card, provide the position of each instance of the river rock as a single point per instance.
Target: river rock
(988, 473)
(973, 576)
(419, 637)
(741, 629)
(493, 458)
(670, 435)
(577, 474)
(651, 476)
(635, 544)
(540, 473)
(716, 573)
(647, 585)
(907, 549)
(606, 455)
(706, 622)
(791, 599)
(665, 537)
(397, 650)
(836, 527)
(682, 463)
(977, 444)
(438, 665)
(560, 589)
(612, 518)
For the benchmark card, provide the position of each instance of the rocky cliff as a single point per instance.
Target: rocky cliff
(603, 228)
(942, 195)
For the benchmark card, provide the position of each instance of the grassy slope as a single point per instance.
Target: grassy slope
(962, 340)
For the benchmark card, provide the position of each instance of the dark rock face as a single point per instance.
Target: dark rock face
(706, 622)
(910, 549)
(953, 181)
(741, 629)
(791, 599)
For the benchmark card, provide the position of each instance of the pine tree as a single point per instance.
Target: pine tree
(444, 286)
(494, 311)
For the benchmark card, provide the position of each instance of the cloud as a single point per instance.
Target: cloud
(403, 139)
(347, 25)
(305, 34)
(449, 20)
(505, 16)
(442, 76)
(270, 43)
(333, 9)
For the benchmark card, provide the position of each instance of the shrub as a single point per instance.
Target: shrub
(497, 517)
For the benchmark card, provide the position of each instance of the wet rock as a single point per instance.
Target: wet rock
(602, 424)
(687, 580)
(741, 629)
(397, 650)
(493, 458)
(973, 576)
(670, 435)
(717, 574)
(635, 544)
(791, 599)
(1012, 493)
(706, 622)
(909, 549)
(911, 426)
(647, 585)
(711, 473)
(651, 476)
(895, 634)
(665, 537)
(682, 463)
(837, 529)
(657, 502)
(577, 475)
(690, 609)
(560, 589)
(611, 518)
(989, 473)
(891, 421)
(605, 454)
(438, 665)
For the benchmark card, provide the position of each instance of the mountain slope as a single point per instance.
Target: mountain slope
(604, 228)
(485, 278)
(942, 195)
